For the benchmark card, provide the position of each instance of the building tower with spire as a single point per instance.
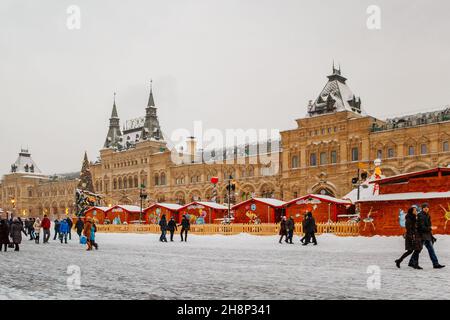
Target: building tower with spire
(113, 139)
(151, 129)
(335, 96)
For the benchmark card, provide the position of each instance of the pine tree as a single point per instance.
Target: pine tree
(86, 176)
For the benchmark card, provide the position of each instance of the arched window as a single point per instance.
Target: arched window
(411, 151)
(136, 182)
(156, 179)
(423, 148)
(125, 184)
(115, 184)
(445, 147)
(120, 183)
(130, 182)
(163, 179)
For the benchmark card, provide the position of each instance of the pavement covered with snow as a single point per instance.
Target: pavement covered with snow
(138, 266)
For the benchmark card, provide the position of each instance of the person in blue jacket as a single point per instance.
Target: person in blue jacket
(63, 230)
(93, 231)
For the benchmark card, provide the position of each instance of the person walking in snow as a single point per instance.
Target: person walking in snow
(29, 227)
(87, 233)
(185, 227)
(163, 226)
(413, 243)
(283, 230)
(310, 229)
(4, 235)
(172, 227)
(425, 228)
(46, 224)
(63, 231)
(290, 226)
(56, 228)
(93, 232)
(79, 226)
(70, 223)
(302, 240)
(16, 230)
(37, 229)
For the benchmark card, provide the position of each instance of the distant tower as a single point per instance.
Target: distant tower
(114, 136)
(151, 129)
(86, 176)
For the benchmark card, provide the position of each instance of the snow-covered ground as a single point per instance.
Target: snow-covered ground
(138, 266)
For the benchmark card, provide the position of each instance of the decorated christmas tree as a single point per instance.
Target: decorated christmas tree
(85, 183)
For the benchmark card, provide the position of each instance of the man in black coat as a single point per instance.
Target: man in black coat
(56, 227)
(79, 226)
(290, 226)
(163, 225)
(185, 226)
(424, 228)
(172, 227)
(310, 229)
(70, 223)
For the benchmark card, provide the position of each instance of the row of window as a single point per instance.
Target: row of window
(331, 158)
(323, 131)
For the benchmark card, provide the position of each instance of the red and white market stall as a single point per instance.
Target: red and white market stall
(119, 214)
(98, 214)
(382, 212)
(153, 214)
(324, 208)
(261, 210)
(203, 212)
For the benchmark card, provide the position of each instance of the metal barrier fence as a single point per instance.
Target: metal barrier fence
(337, 228)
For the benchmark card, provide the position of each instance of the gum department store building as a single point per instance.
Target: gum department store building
(320, 156)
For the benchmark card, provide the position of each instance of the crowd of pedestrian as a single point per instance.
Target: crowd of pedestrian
(419, 234)
(172, 226)
(287, 228)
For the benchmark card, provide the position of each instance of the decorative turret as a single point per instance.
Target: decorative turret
(24, 163)
(335, 96)
(151, 129)
(113, 139)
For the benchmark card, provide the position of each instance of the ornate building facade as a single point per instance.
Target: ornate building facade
(321, 155)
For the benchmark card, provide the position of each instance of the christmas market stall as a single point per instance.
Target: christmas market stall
(383, 211)
(324, 208)
(203, 212)
(153, 214)
(259, 210)
(120, 214)
(98, 214)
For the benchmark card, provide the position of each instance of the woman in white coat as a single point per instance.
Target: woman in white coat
(37, 229)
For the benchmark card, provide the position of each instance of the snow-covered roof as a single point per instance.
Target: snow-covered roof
(325, 198)
(126, 208)
(335, 96)
(170, 206)
(268, 201)
(212, 205)
(25, 164)
(407, 196)
(104, 209)
(406, 176)
(365, 191)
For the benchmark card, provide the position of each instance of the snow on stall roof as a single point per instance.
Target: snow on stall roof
(127, 208)
(101, 208)
(170, 206)
(212, 205)
(365, 191)
(322, 197)
(406, 196)
(271, 201)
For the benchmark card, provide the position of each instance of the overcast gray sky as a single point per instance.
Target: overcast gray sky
(229, 63)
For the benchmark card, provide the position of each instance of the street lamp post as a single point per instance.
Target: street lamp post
(142, 196)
